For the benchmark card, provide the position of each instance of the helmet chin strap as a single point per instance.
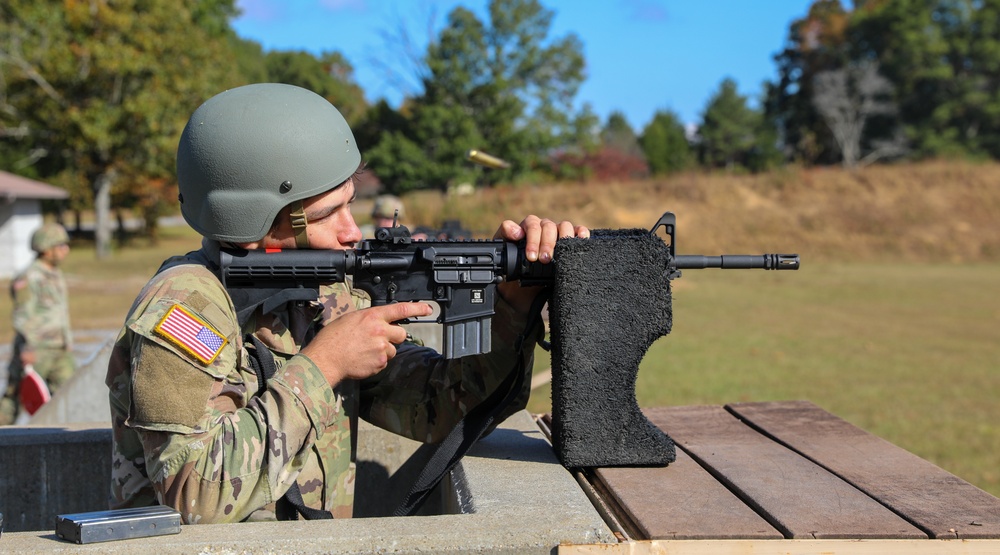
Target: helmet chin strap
(299, 223)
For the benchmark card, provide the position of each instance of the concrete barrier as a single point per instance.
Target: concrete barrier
(515, 498)
(50, 470)
(84, 397)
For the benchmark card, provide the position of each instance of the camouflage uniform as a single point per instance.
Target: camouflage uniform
(41, 324)
(191, 432)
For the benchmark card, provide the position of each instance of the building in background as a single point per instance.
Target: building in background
(20, 215)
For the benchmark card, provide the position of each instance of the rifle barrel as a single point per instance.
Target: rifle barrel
(738, 261)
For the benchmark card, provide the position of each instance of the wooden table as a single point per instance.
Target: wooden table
(787, 477)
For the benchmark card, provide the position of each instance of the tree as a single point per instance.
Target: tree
(618, 134)
(665, 144)
(503, 83)
(427, 157)
(329, 75)
(943, 58)
(728, 130)
(619, 156)
(88, 84)
(847, 99)
(817, 42)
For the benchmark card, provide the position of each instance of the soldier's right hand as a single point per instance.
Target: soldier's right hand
(360, 343)
(27, 358)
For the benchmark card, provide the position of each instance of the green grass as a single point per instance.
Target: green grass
(908, 352)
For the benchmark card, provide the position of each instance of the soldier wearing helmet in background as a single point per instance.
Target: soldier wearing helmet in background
(386, 210)
(196, 427)
(42, 336)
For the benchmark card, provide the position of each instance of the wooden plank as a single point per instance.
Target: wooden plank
(937, 501)
(787, 547)
(680, 501)
(799, 498)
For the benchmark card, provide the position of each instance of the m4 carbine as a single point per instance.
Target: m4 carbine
(461, 276)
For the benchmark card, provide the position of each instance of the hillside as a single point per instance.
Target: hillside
(941, 211)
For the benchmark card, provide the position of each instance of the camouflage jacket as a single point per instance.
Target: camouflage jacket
(190, 430)
(41, 309)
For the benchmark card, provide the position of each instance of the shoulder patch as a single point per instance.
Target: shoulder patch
(191, 334)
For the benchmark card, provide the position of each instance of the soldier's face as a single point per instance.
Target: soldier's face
(55, 255)
(330, 222)
(379, 221)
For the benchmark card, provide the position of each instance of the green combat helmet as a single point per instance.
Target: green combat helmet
(386, 207)
(248, 152)
(48, 236)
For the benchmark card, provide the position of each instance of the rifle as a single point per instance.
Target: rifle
(461, 276)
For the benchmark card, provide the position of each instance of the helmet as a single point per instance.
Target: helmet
(386, 207)
(48, 236)
(248, 152)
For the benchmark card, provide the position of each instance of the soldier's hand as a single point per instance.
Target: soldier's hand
(360, 344)
(28, 358)
(540, 235)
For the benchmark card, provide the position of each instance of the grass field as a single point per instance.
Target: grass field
(893, 322)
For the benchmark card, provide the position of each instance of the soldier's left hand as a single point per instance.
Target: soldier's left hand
(540, 236)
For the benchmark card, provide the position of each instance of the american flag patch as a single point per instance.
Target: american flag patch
(188, 332)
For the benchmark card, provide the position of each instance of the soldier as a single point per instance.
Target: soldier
(196, 427)
(42, 336)
(386, 209)
(389, 209)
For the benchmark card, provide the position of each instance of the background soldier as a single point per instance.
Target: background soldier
(42, 336)
(385, 209)
(384, 212)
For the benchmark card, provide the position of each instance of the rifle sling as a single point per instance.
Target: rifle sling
(472, 427)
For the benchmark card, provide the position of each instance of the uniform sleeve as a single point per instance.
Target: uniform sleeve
(210, 454)
(422, 395)
(22, 313)
(39, 313)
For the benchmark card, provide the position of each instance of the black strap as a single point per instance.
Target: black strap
(290, 505)
(261, 359)
(472, 427)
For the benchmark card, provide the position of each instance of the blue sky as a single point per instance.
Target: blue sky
(642, 55)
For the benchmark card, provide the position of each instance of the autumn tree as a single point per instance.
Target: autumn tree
(101, 89)
(940, 56)
(943, 58)
(815, 43)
